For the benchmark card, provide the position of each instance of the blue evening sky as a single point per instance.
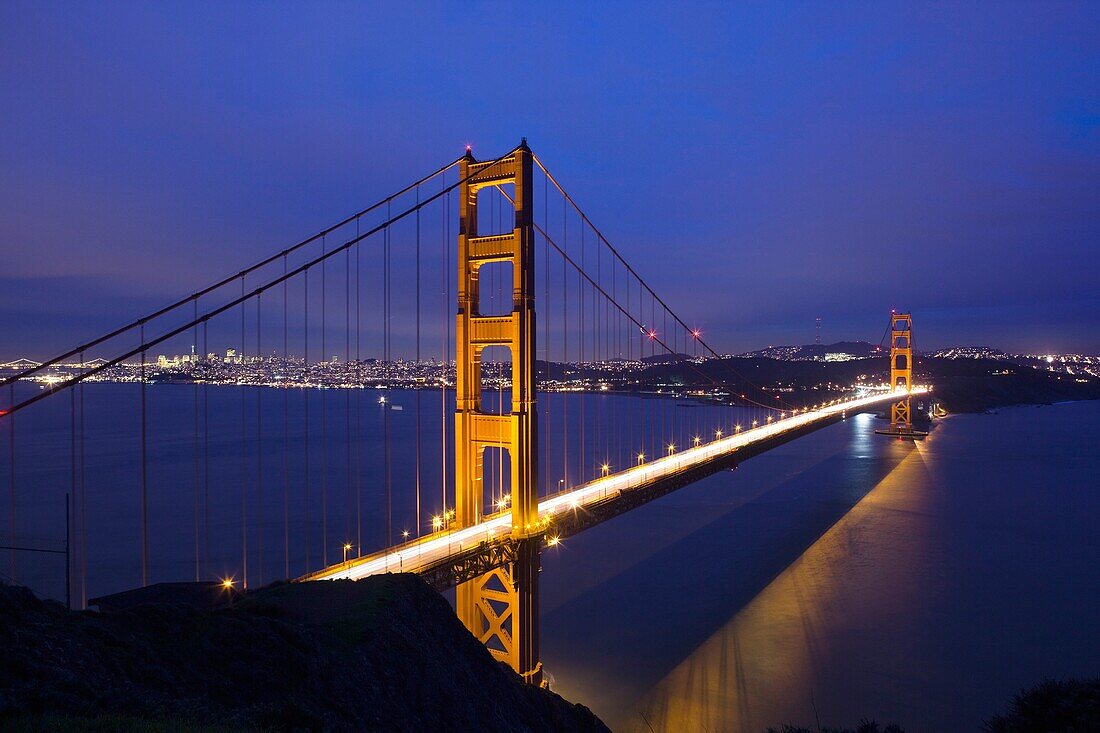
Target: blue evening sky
(760, 163)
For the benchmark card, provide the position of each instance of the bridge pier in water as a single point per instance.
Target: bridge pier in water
(500, 607)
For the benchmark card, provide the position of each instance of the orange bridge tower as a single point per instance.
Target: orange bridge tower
(500, 607)
(901, 370)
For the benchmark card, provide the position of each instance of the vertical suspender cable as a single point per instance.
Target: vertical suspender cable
(622, 345)
(695, 413)
(629, 358)
(656, 445)
(244, 450)
(666, 419)
(307, 369)
(386, 362)
(564, 482)
(418, 365)
(195, 442)
(349, 507)
(259, 455)
(600, 356)
(544, 462)
(582, 462)
(607, 358)
(206, 450)
(286, 429)
(358, 395)
(323, 364)
(70, 508)
(11, 480)
(445, 332)
(144, 475)
(617, 348)
(83, 503)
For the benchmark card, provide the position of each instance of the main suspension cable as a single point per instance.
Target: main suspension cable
(695, 332)
(651, 334)
(228, 279)
(107, 364)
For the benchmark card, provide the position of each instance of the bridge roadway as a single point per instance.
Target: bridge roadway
(450, 556)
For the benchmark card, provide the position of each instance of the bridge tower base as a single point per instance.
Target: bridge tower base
(500, 607)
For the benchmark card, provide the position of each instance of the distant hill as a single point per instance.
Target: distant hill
(664, 358)
(840, 351)
(969, 352)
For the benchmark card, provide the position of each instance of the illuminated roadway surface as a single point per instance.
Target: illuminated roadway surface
(418, 554)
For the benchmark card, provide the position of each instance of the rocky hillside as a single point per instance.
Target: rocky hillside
(383, 654)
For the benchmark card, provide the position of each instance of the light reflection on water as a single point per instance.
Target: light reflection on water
(843, 576)
(761, 666)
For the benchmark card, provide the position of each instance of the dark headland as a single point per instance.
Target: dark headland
(383, 654)
(959, 385)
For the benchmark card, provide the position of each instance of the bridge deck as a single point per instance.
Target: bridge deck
(485, 544)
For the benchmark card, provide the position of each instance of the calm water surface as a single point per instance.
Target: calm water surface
(842, 576)
(838, 577)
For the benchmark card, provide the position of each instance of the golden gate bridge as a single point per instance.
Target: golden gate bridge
(514, 437)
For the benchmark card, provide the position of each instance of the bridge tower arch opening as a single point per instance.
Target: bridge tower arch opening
(500, 607)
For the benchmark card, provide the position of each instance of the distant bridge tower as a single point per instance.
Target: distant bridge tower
(500, 607)
(901, 370)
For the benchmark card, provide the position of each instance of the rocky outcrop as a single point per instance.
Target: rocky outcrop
(382, 654)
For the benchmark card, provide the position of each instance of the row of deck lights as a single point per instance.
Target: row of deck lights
(718, 433)
(440, 521)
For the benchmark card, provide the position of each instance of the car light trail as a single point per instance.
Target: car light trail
(419, 554)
